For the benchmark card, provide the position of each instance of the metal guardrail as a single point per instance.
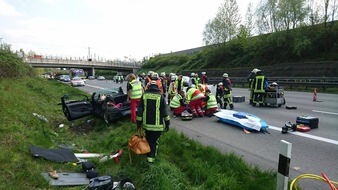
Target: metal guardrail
(317, 82)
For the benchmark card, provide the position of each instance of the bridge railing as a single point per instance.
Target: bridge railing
(82, 62)
(307, 82)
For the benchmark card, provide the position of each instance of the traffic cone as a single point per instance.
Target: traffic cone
(314, 94)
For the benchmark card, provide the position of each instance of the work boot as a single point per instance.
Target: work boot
(231, 106)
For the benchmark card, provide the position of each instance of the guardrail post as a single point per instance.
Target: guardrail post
(284, 165)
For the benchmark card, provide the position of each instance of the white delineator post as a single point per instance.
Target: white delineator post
(284, 165)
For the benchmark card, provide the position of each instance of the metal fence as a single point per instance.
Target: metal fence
(316, 82)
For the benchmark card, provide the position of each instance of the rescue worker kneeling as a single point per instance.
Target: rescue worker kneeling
(177, 104)
(152, 116)
(203, 89)
(194, 100)
(210, 99)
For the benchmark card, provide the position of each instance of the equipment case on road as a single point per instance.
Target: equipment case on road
(310, 121)
(274, 97)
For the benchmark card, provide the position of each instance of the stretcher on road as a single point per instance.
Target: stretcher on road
(242, 119)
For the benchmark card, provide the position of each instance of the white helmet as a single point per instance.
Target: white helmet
(154, 75)
(192, 74)
(173, 77)
(150, 73)
(220, 84)
(203, 73)
(193, 86)
(274, 84)
(162, 74)
(254, 71)
(143, 74)
(225, 75)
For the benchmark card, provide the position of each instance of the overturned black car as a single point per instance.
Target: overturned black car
(110, 104)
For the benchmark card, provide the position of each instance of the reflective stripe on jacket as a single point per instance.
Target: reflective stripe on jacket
(136, 89)
(194, 94)
(259, 84)
(172, 89)
(153, 111)
(211, 103)
(176, 84)
(175, 102)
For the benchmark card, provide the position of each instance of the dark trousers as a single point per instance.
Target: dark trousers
(152, 138)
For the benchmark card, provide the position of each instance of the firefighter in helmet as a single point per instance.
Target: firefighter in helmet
(152, 116)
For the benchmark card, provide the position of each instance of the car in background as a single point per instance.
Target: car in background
(77, 81)
(66, 78)
(185, 81)
(109, 104)
(91, 78)
(101, 78)
(61, 77)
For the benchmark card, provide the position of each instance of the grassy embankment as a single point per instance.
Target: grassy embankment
(181, 164)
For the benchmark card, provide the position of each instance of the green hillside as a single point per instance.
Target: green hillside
(285, 51)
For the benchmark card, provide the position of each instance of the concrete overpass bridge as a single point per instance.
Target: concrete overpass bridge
(88, 66)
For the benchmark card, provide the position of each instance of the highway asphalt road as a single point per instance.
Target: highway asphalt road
(313, 152)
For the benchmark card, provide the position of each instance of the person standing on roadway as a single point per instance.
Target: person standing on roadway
(157, 80)
(192, 79)
(204, 78)
(152, 116)
(135, 91)
(220, 95)
(147, 79)
(227, 86)
(260, 83)
(172, 89)
(197, 79)
(179, 83)
(164, 85)
(250, 79)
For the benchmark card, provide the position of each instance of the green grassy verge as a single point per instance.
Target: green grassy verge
(181, 162)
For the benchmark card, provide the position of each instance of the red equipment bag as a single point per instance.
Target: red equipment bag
(303, 128)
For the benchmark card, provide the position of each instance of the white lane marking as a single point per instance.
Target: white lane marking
(332, 113)
(95, 87)
(307, 135)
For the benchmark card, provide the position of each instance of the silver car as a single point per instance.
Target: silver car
(77, 81)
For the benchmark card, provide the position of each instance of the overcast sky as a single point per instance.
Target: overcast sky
(110, 29)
